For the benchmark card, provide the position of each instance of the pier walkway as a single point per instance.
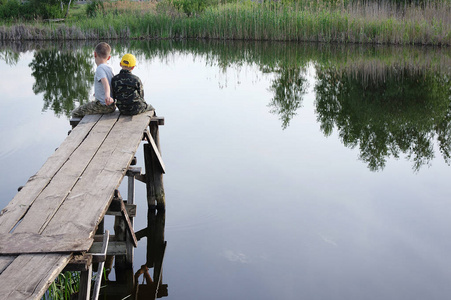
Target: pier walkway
(55, 216)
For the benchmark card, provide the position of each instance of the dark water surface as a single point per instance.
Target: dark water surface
(294, 171)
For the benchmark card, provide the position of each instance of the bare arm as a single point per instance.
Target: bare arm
(106, 88)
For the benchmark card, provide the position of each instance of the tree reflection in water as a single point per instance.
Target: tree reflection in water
(9, 56)
(289, 87)
(65, 78)
(386, 112)
(387, 101)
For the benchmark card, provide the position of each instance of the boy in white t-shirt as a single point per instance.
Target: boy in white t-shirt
(103, 103)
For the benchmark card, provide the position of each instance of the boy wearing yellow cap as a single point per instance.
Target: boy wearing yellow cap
(128, 89)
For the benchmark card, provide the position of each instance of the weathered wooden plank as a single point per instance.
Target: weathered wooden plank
(79, 262)
(133, 171)
(157, 120)
(19, 205)
(5, 261)
(89, 200)
(51, 198)
(131, 211)
(29, 276)
(114, 248)
(128, 224)
(78, 214)
(21, 243)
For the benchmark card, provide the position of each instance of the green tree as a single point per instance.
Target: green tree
(48, 9)
(45, 9)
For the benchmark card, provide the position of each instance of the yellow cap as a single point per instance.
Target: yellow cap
(128, 60)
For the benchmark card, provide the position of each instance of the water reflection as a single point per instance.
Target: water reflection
(289, 87)
(152, 286)
(64, 78)
(386, 111)
(385, 101)
(139, 284)
(344, 231)
(9, 56)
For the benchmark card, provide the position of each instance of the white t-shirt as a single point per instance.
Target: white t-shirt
(102, 71)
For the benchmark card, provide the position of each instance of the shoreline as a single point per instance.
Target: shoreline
(250, 21)
(56, 36)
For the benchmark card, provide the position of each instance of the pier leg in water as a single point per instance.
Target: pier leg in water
(154, 174)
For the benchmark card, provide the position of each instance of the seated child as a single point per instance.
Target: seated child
(128, 89)
(103, 103)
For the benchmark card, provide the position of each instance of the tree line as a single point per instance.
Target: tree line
(33, 9)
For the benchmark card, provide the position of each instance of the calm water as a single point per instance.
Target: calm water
(293, 171)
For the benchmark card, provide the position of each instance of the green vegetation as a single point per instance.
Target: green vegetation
(67, 286)
(64, 286)
(423, 23)
(16, 10)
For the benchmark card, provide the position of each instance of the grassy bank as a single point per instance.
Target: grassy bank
(429, 24)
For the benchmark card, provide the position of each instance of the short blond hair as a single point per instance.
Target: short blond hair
(103, 50)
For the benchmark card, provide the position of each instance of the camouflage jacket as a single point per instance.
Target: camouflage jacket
(128, 92)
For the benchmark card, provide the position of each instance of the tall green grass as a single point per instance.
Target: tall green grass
(374, 23)
(64, 286)
(277, 22)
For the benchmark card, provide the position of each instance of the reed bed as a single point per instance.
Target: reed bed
(370, 23)
(64, 286)
(351, 24)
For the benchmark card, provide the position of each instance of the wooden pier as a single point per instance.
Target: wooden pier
(55, 221)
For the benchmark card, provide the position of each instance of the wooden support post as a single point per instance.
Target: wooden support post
(124, 232)
(154, 169)
(158, 269)
(132, 172)
(131, 191)
(117, 201)
(160, 245)
(85, 284)
(130, 201)
(121, 263)
(155, 239)
(156, 246)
